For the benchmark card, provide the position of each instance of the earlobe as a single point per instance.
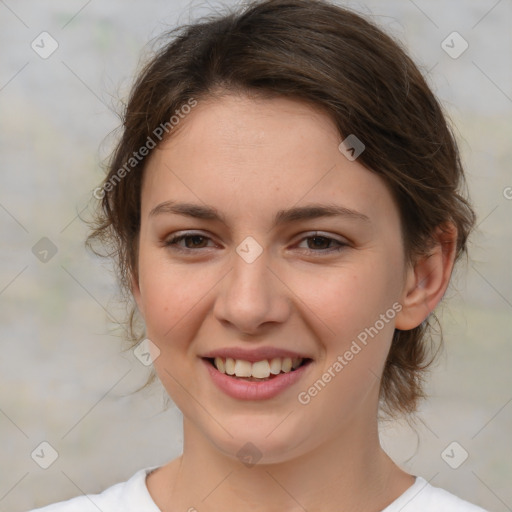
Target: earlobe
(427, 279)
(135, 289)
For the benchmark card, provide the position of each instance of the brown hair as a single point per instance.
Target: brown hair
(331, 57)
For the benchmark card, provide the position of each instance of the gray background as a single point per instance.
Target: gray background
(64, 379)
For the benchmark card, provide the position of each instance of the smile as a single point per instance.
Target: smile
(258, 370)
(257, 380)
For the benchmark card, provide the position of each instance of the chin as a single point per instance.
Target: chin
(265, 441)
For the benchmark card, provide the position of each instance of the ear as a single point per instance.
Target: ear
(135, 289)
(427, 279)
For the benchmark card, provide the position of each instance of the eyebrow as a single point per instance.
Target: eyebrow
(298, 213)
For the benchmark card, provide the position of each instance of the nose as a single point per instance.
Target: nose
(252, 296)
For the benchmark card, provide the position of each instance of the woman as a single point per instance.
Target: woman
(285, 208)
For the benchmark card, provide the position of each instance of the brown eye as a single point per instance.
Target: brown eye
(195, 241)
(319, 242)
(192, 241)
(323, 244)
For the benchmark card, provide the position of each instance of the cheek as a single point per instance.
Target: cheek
(348, 300)
(355, 339)
(172, 297)
(168, 294)
(355, 343)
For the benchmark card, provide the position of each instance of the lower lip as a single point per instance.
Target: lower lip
(253, 390)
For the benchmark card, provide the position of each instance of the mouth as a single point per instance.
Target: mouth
(257, 371)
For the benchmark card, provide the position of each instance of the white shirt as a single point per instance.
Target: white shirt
(133, 496)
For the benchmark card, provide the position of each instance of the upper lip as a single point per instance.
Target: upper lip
(254, 354)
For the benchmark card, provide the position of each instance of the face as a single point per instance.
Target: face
(260, 275)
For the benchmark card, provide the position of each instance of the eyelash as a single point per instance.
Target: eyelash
(172, 243)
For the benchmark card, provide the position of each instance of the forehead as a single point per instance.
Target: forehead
(259, 155)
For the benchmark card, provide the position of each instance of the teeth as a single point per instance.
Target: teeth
(229, 367)
(260, 369)
(287, 365)
(275, 366)
(243, 368)
(219, 363)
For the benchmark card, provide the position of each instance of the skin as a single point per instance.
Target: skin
(249, 158)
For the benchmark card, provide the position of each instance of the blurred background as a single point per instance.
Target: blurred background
(65, 67)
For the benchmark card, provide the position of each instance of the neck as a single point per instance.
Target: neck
(349, 472)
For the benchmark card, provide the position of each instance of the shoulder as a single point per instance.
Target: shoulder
(127, 496)
(423, 497)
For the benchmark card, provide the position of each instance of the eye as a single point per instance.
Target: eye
(320, 243)
(316, 243)
(192, 241)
